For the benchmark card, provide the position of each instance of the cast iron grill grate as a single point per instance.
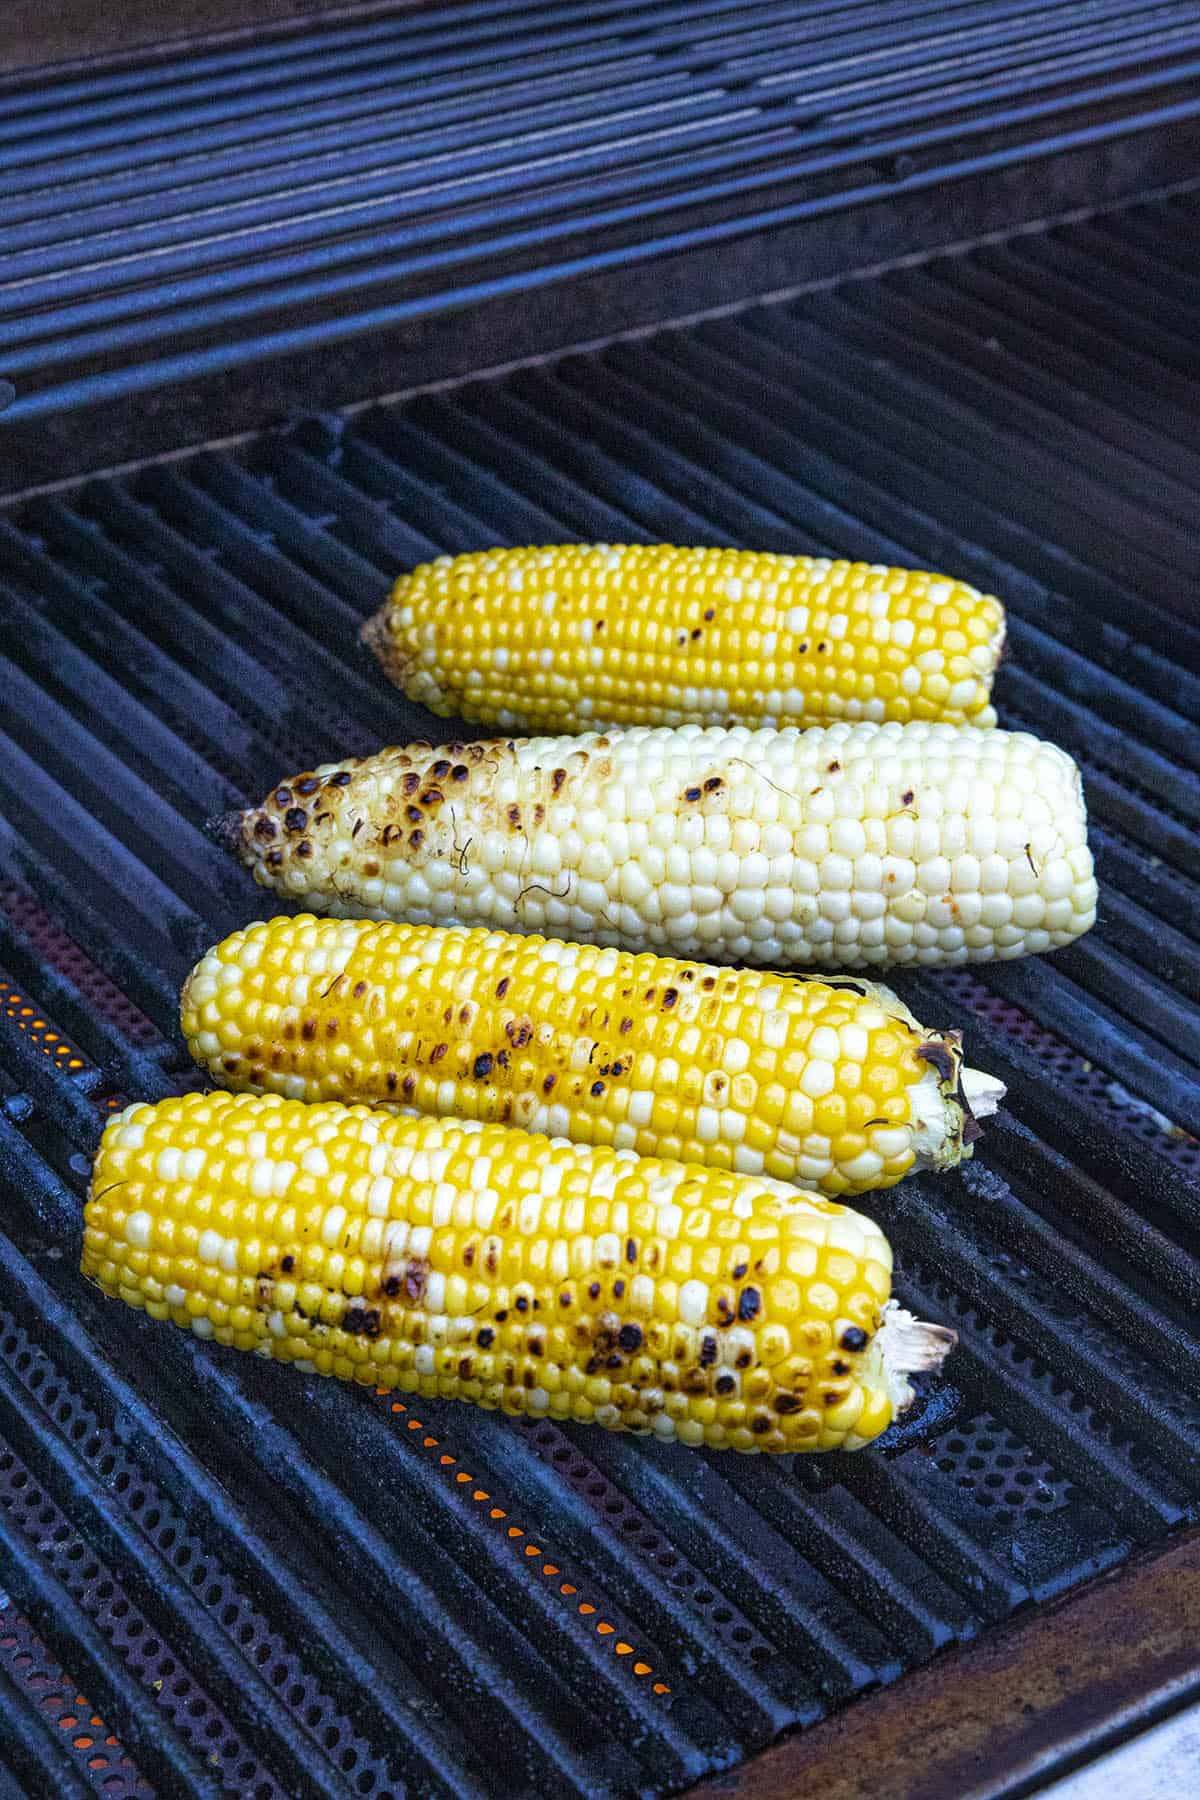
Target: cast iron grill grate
(182, 224)
(454, 1603)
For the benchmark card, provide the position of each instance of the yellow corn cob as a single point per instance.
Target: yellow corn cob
(931, 844)
(834, 1087)
(462, 1261)
(579, 635)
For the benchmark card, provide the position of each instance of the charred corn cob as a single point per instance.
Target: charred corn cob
(462, 1261)
(835, 1087)
(579, 635)
(848, 845)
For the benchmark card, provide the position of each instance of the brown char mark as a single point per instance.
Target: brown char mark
(937, 1053)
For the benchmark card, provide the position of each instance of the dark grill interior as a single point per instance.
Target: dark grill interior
(265, 1585)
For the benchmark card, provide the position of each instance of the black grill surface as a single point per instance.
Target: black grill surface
(224, 1577)
(171, 226)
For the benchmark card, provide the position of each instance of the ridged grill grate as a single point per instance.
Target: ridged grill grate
(364, 1597)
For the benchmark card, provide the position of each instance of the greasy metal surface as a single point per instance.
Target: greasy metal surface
(1027, 1700)
(168, 226)
(1157, 1764)
(434, 1600)
(72, 34)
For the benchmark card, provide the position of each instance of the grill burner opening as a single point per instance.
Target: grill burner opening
(236, 1580)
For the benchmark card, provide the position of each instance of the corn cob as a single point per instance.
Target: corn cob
(461, 1261)
(848, 845)
(833, 1087)
(580, 635)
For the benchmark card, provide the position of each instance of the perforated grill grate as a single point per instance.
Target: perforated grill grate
(180, 1691)
(96, 1751)
(1000, 1472)
(639, 1536)
(28, 1019)
(62, 953)
(1085, 1077)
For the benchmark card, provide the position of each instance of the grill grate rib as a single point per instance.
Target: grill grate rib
(913, 416)
(176, 222)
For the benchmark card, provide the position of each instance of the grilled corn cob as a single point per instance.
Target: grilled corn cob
(848, 845)
(579, 635)
(834, 1087)
(462, 1261)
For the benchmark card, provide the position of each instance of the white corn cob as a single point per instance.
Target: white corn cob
(919, 843)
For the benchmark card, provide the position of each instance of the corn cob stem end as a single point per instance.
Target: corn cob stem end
(982, 1092)
(908, 1346)
(228, 831)
(376, 635)
(954, 1099)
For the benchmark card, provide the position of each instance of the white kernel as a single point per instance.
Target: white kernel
(669, 1222)
(993, 875)
(641, 1107)
(208, 1249)
(775, 1030)
(596, 864)
(633, 885)
(890, 1140)
(379, 1197)
(138, 1227)
(837, 875)
(693, 1302)
(332, 1226)
(866, 1166)
(818, 1079)
(166, 1166)
(641, 1295)
(847, 837)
